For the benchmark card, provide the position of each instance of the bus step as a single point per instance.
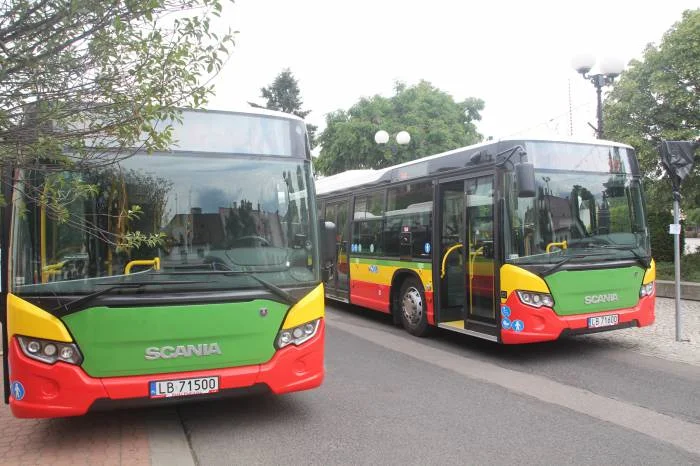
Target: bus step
(473, 333)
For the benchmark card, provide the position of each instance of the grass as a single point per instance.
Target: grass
(690, 269)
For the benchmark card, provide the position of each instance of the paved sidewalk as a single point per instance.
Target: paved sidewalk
(109, 438)
(660, 339)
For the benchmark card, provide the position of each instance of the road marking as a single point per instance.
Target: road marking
(679, 433)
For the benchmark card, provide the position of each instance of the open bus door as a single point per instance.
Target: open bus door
(338, 283)
(466, 263)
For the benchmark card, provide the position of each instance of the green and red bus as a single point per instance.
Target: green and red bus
(513, 241)
(223, 293)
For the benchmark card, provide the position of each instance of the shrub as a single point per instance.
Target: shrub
(690, 269)
(661, 240)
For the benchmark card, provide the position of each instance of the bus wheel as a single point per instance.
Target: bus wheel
(412, 307)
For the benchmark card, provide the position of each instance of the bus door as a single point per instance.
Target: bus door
(467, 268)
(337, 285)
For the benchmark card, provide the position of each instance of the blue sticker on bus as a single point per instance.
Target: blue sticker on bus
(17, 390)
(373, 269)
(505, 311)
(426, 248)
(518, 325)
(505, 323)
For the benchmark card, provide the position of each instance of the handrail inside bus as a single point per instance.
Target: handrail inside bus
(562, 245)
(444, 258)
(50, 270)
(155, 262)
(472, 258)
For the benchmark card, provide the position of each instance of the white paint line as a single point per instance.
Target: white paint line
(682, 434)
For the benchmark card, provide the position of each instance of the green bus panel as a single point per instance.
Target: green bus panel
(114, 341)
(586, 291)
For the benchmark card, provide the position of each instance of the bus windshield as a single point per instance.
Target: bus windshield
(212, 222)
(577, 215)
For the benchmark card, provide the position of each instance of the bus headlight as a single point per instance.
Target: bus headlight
(49, 351)
(297, 335)
(646, 290)
(533, 299)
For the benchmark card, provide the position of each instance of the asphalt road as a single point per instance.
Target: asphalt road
(390, 398)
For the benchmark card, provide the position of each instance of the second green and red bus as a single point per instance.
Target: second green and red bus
(513, 241)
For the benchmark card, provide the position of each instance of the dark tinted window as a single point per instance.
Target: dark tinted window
(367, 229)
(408, 225)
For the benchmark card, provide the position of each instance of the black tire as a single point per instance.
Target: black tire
(412, 308)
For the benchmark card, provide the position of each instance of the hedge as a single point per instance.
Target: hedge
(661, 240)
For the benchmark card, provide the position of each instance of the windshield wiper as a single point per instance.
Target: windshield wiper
(642, 260)
(565, 260)
(558, 264)
(113, 286)
(274, 289)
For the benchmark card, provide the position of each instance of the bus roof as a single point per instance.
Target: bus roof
(245, 109)
(348, 179)
(245, 130)
(355, 178)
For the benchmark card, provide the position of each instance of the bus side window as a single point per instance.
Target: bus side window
(368, 224)
(409, 220)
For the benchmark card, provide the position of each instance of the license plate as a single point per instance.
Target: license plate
(183, 387)
(603, 321)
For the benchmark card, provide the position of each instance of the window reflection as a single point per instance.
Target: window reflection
(586, 210)
(367, 229)
(193, 213)
(408, 227)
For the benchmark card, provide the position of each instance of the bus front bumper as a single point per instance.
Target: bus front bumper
(62, 389)
(543, 324)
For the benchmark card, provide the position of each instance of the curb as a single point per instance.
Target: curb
(667, 289)
(167, 439)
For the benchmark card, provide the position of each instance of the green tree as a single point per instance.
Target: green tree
(657, 98)
(693, 217)
(434, 120)
(284, 95)
(84, 82)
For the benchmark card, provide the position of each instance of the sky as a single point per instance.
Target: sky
(515, 55)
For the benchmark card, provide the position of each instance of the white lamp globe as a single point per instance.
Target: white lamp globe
(403, 138)
(381, 137)
(611, 66)
(583, 62)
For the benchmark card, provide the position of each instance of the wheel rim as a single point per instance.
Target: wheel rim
(412, 306)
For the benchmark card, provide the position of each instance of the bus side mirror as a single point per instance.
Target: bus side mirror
(328, 247)
(525, 177)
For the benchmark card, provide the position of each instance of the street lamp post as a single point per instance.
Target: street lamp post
(382, 137)
(402, 138)
(607, 70)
